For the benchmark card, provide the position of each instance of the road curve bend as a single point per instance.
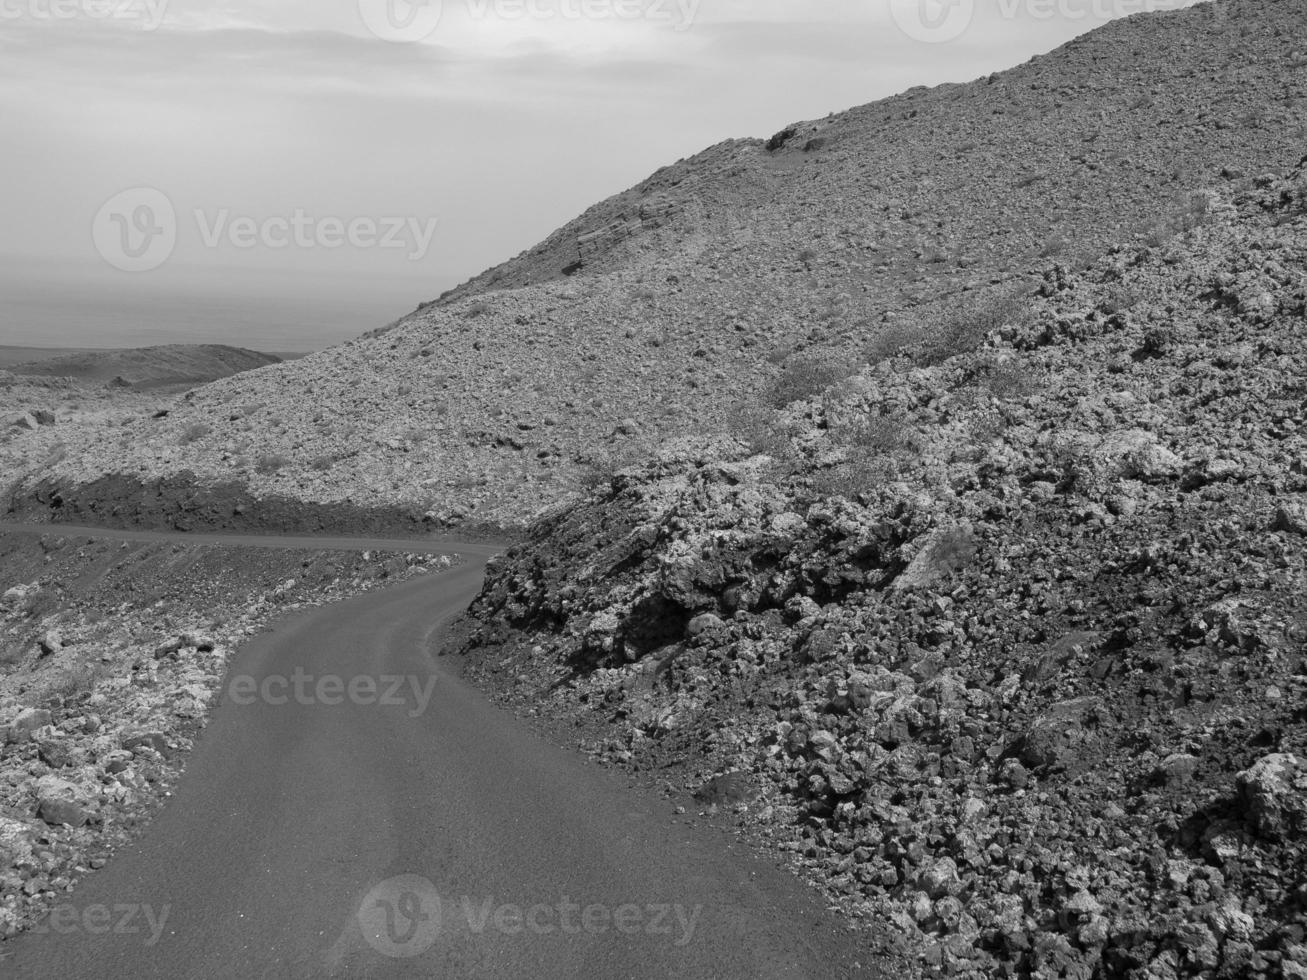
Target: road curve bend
(354, 809)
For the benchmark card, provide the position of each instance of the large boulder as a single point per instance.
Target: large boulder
(1291, 516)
(1057, 737)
(1274, 794)
(22, 725)
(1133, 454)
(942, 552)
(60, 801)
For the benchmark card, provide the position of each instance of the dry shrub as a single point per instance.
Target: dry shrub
(863, 472)
(806, 376)
(761, 431)
(965, 327)
(885, 435)
(270, 463)
(194, 432)
(893, 339)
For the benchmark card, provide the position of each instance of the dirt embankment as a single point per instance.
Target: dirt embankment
(111, 654)
(184, 503)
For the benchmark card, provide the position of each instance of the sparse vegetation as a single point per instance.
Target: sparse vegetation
(79, 679)
(1192, 210)
(602, 468)
(270, 463)
(761, 431)
(194, 432)
(805, 376)
(892, 340)
(1119, 299)
(1004, 379)
(883, 435)
(862, 472)
(45, 603)
(966, 326)
(1055, 245)
(12, 653)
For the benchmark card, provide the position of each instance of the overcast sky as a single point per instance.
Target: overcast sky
(459, 132)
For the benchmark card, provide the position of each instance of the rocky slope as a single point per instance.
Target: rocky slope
(110, 656)
(658, 312)
(1002, 638)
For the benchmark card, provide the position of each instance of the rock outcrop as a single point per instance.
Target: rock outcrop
(1006, 648)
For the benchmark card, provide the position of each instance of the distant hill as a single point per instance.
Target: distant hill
(171, 365)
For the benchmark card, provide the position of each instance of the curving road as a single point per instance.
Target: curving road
(355, 810)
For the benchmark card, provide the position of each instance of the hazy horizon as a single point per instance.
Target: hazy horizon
(459, 147)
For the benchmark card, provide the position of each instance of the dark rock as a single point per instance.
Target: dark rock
(1274, 792)
(154, 741)
(54, 753)
(943, 552)
(703, 623)
(726, 788)
(69, 813)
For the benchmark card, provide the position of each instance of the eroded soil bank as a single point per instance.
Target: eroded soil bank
(182, 502)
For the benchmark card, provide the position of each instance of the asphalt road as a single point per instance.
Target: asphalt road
(356, 810)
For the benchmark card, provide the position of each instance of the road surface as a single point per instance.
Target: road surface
(355, 810)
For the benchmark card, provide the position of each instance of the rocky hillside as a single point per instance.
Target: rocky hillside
(664, 310)
(148, 368)
(1000, 639)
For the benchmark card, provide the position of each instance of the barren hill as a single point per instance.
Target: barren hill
(1005, 648)
(668, 309)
